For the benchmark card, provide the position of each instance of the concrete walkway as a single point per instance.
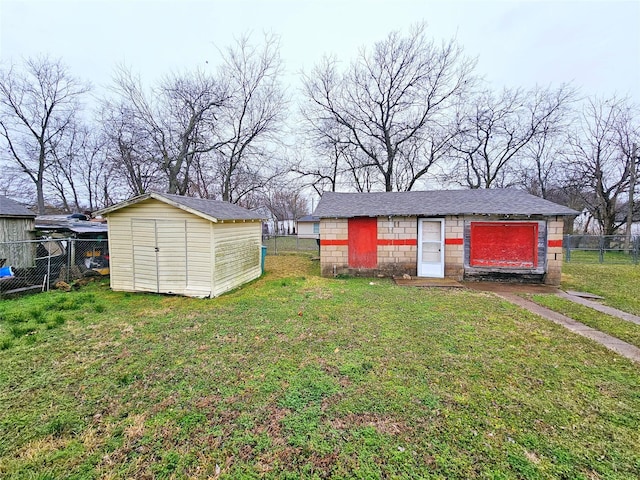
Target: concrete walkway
(612, 343)
(614, 312)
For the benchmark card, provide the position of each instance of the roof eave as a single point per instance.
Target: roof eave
(161, 198)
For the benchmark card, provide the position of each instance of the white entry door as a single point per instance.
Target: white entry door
(431, 247)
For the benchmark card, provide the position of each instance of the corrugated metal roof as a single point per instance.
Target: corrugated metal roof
(215, 210)
(11, 208)
(437, 203)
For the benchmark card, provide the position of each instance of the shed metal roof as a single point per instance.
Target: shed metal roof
(11, 208)
(214, 210)
(437, 203)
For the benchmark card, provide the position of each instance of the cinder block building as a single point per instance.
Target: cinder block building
(497, 234)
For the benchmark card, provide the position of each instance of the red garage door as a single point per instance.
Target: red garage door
(504, 244)
(363, 242)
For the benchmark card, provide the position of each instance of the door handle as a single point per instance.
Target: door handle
(157, 249)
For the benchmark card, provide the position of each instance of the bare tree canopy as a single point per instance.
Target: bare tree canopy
(285, 202)
(600, 161)
(250, 123)
(39, 101)
(393, 105)
(168, 125)
(496, 130)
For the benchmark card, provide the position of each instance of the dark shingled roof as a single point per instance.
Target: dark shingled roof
(11, 208)
(214, 209)
(436, 203)
(309, 218)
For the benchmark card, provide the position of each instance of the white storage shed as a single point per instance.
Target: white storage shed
(180, 245)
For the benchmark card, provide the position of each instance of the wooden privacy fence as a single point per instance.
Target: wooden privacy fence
(601, 249)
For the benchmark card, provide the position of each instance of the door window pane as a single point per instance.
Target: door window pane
(431, 252)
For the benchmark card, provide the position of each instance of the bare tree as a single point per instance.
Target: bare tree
(286, 202)
(249, 122)
(322, 166)
(165, 128)
(38, 102)
(127, 149)
(495, 131)
(82, 176)
(393, 104)
(600, 160)
(65, 171)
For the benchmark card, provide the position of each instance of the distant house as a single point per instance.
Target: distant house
(499, 234)
(308, 227)
(17, 224)
(188, 246)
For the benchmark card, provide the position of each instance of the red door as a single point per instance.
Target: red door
(363, 242)
(504, 244)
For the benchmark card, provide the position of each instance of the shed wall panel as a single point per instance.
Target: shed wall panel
(237, 250)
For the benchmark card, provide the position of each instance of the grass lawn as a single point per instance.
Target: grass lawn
(609, 257)
(296, 376)
(618, 284)
(627, 331)
(277, 245)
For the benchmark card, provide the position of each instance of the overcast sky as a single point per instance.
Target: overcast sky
(595, 44)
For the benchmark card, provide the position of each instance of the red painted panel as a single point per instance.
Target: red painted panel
(554, 243)
(504, 244)
(363, 242)
(398, 241)
(334, 242)
(453, 241)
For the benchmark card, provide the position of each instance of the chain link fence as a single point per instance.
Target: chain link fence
(278, 244)
(614, 249)
(40, 265)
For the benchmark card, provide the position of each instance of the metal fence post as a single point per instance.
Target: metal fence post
(567, 242)
(601, 252)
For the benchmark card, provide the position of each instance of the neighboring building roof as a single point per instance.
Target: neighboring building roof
(69, 223)
(309, 218)
(11, 208)
(437, 202)
(214, 210)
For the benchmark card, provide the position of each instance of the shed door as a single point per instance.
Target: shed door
(430, 251)
(145, 255)
(159, 255)
(504, 244)
(363, 242)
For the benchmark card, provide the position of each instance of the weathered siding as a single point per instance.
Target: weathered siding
(199, 257)
(237, 250)
(183, 262)
(19, 255)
